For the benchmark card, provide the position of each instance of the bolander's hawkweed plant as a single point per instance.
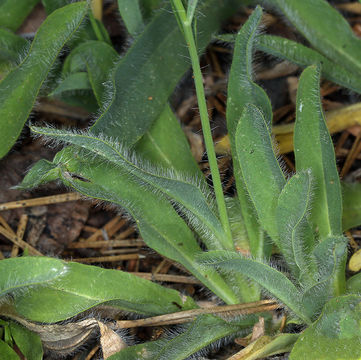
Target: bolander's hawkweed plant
(290, 225)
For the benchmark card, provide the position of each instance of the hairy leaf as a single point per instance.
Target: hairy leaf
(354, 284)
(296, 238)
(161, 227)
(165, 140)
(271, 279)
(13, 13)
(18, 273)
(75, 81)
(148, 7)
(88, 29)
(185, 192)
(335, 335)
(96, 58)
(326, 29)
(143, 351)
(163, 143)
(12, 48)
(241, 91)
(303, 56)
(131, 14)
(261, 171)
(52, 5)
(205, 330)
(314, 150)
(351, 196)
(330, 257)
(84, 287)
(202, 332)
(19, 89)
(151, 69)
(28, 342)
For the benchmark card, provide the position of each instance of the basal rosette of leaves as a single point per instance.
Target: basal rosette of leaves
(116, 161)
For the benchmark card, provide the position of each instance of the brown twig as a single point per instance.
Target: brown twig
(21, 243)
(106, 258)
(20, 234)
(46, 200)
(189, 315)
(108, 230)
(106, 243)
(168, 278)
(351, 157)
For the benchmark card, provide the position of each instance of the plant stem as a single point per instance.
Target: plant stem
(186, 24)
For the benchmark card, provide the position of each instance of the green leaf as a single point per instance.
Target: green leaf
(326, 29)
(163, 143)
(314, 150)
(11, 47)
(261, 171)
(148, 7)
(18, 273)
(130, 12)
(141, 351)
(76, 81)
(205, 330)
(330, 256)
(296, 238)
(351, 200)
(272, 280)
(161, 227)
(239, 233)
(303, 56)
(19, 89)
(268, 346)
(28, 342)
(99, 29)
(96, 58)
(241, 91)
(353, 284)
(13, 13)
(6, 352)
(83, 98)
(52, 5)
(202, 332)
(335, 335)
(146, 71)
(84, 287)
(5, 326)
(86, 31)
(193, 199)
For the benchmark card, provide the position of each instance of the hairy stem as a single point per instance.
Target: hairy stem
(186, 24)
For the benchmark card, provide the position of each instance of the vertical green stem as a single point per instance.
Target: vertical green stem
(186, 24)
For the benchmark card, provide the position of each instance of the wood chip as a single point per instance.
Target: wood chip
(101, 259)
(106, 243)
(110, 341)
